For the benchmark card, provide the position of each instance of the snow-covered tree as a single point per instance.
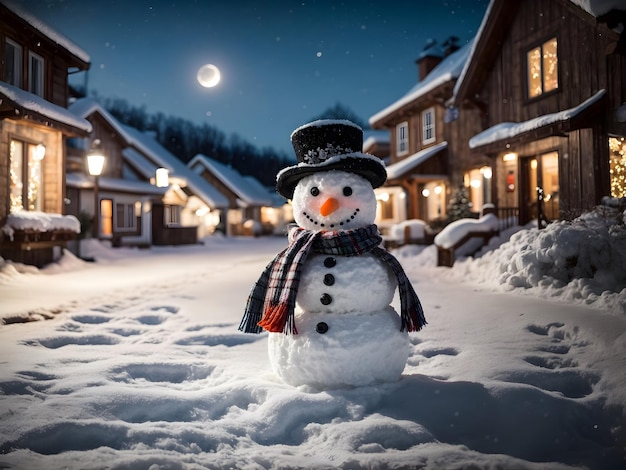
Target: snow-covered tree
(459, 205)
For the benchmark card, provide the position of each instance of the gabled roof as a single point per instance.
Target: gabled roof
(144, 148)
(445, 72)
(47, 31)
(493, 28)
(28, 105)
(246, 188)
(407, 164)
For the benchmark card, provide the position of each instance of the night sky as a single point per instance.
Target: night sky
(282, 62)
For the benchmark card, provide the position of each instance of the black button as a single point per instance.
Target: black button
(330, 262)
(326, 299)
(321, 327)
(329, 279)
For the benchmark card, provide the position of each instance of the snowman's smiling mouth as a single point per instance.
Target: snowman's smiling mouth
(339, 223)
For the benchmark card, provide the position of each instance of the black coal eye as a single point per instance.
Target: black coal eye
(347, 191)
(315, 191)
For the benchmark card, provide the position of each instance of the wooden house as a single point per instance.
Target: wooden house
(146, 196)
(252, 208)
(34, 126)
(546, 84)
(420, 155)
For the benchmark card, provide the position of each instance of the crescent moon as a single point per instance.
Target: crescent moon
(209, 75)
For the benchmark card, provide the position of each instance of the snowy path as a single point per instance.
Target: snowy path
(153, 374)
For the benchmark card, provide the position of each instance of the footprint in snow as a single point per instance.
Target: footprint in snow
(161, 372)
(83, 340)
(551, 368)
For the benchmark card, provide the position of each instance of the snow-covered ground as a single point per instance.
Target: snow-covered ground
(141, 366)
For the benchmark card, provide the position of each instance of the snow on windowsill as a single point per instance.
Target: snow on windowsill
(35, 221)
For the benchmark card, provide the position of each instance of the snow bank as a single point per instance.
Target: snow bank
(457, 230)
(583, 261)
(39, 222)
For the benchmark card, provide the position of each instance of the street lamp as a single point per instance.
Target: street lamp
(95, 165)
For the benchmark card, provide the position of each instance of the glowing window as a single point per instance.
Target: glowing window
(542, 68)
(25, 176)
(617, 147)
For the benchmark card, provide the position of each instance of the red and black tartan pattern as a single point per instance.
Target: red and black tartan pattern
(272, 300)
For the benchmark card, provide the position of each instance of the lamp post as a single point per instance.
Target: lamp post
(95, 165)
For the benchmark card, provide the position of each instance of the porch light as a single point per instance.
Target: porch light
(425, 192)
(438, 190)
(162, 177)
(95, 159)
(487, 173)
(509, 157)
(95, 165)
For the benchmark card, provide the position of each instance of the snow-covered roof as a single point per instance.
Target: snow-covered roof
(37, 104)
(82, 181)
(139, 162)
(508, 130)
(148, 151)
(447, 70)
(246, 188)
(47, 31)
(599, 7)
(405, 165)
(375, 136)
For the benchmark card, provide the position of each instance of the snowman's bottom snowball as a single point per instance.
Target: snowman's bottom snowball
(358, 349)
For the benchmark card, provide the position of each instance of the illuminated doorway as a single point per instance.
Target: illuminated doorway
(540, 173)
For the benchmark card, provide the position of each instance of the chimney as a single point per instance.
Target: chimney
(429, 58)
(450, 45)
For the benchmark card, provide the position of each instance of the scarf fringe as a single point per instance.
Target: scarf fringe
(250, 322)
(278, 319)
(413, 318)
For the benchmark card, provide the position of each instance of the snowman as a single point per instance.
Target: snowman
(325, 300)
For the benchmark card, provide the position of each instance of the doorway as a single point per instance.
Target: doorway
(540, 174)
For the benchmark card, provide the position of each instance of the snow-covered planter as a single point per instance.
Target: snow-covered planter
(463, 233)
(33, 226)
(408, 231)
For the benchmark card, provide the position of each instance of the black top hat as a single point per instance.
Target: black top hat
(325, 145)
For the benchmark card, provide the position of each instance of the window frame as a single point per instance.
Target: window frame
(541, 46)
(17, 62)
(402, 138)
(36, 75)
(428, 127)
(171, 215)
(128, 221)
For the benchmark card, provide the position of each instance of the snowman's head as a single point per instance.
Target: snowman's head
(334, 200)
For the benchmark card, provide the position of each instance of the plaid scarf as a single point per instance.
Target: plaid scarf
(273, 298)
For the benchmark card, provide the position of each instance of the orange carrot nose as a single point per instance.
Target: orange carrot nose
(329, 206)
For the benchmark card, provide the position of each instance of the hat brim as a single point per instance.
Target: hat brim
(367, 166)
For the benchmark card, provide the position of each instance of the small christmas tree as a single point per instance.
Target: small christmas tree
(459, 205)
